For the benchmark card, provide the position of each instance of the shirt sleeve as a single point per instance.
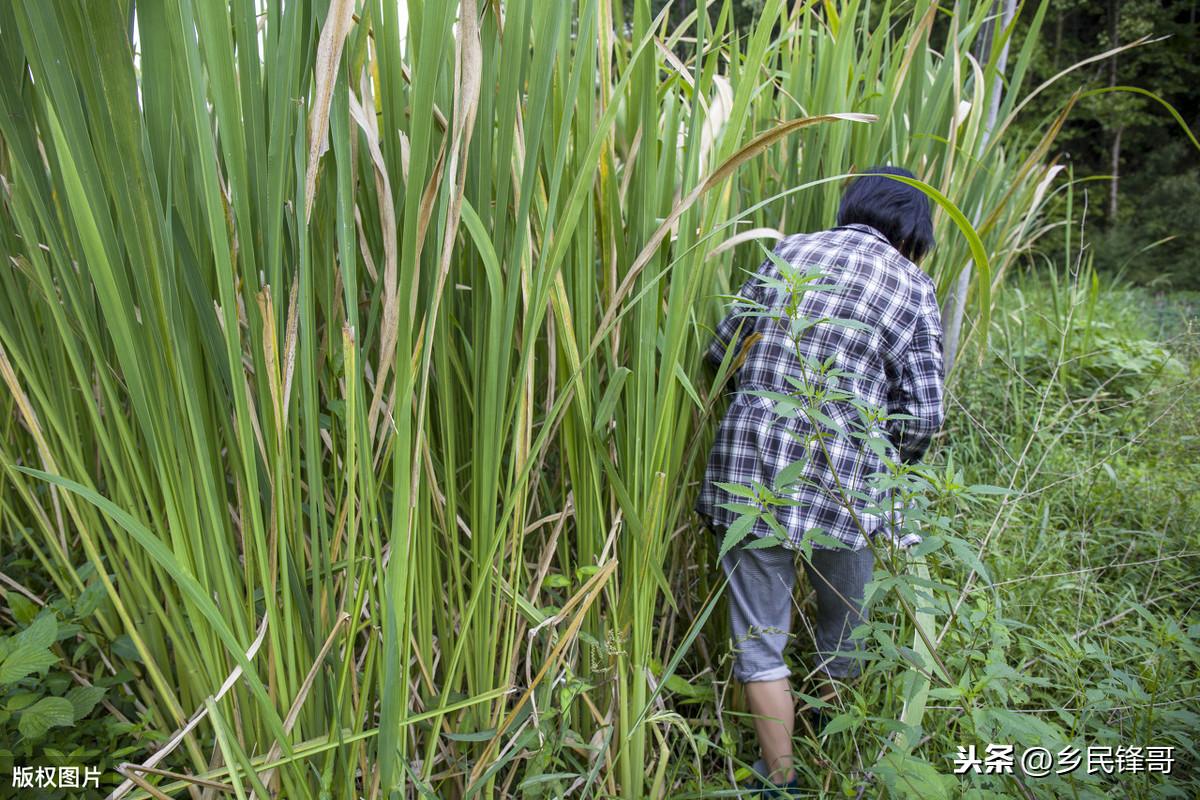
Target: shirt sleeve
(727, 328)
(919, 390)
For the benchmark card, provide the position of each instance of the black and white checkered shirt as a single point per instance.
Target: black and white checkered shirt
(889, 357)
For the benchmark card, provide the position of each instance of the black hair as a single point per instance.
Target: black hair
(899, 211)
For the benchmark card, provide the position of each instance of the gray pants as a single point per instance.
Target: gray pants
(760, 608)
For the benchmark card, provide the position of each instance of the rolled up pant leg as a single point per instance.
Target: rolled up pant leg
(760, 610)
(838, 577)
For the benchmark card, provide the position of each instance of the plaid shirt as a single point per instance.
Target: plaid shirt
(891, 355)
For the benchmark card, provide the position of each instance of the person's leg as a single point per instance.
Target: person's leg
(760, 606)
(774, 720)
(838, 577)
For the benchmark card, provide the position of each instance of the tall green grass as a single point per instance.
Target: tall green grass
(357, 352)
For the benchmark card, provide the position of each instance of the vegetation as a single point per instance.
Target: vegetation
(355, 399)
(1139, 170)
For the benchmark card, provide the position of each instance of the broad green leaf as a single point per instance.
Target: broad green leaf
(25, 660)
(42, 633)
(21, 700)
(90, 599)
(913, 778)
(842, 722)
(123, 647)
(84, 698)
(24, 610)
(556, 580)
(679, 685)
(47, 713)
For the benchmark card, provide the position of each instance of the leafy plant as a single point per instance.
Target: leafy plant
(55, 674)
(330, 332)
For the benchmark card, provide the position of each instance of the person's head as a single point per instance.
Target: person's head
(898, 211)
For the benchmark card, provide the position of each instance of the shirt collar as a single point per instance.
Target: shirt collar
(864, 228)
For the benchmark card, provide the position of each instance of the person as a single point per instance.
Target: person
(888, 357)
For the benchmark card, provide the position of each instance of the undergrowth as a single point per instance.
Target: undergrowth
(1063, 567)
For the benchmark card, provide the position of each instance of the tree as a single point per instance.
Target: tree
(1153, 168)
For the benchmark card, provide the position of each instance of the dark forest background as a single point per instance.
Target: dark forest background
(1140, 172)
(1145, 199)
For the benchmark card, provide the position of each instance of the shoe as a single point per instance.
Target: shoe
(760, 787)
